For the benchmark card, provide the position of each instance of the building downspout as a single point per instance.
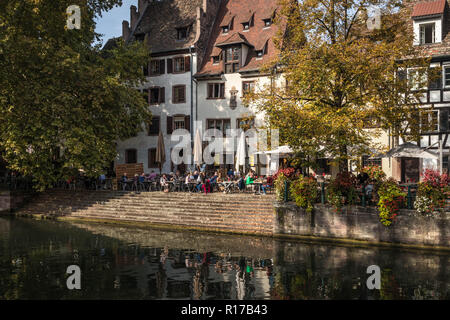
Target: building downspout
(192, 93)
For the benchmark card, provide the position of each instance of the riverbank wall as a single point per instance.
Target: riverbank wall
(243, 214)
(362, 224)
(12, 200)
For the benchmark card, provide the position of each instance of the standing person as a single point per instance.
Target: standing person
(124, 181)
(213, 180)
(102, 180)
(230, 174)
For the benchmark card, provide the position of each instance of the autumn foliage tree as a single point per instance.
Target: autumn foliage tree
(341, 70)
(63, 103)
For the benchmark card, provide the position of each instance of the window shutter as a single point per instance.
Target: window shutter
(443, 119)
(169, 65)
(151, 158)
(146, 68)
(187, 123)
(210, 90)
(169, 125)
(147, 95)
(222, 90)
(162, 95)
(162, 66)
(187, 63)
(182, 96)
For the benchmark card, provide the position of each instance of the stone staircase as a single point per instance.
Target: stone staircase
(243, 213)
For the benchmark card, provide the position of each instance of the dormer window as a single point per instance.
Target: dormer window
(259, 53)
(267, 22)
(427, 33)
(232, 57)
(182, 33)
(216, 59)
(428, 21)
(227, 23)
(246, 25)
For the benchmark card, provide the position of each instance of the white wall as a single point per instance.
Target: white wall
(142, 142)
(437, 30)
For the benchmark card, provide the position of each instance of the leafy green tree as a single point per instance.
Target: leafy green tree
(64, 104)
(341, 74)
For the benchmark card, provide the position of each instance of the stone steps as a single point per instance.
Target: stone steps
(185, 207)
(245, 213)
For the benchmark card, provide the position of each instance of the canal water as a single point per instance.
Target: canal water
(136, 263)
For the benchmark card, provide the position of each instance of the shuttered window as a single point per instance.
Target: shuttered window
(216, 90)
(154, 126)
(179, 94)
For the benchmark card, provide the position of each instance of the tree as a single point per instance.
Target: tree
(341, 73)
(64, 104)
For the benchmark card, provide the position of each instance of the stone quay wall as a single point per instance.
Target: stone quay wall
(362, 223)
(11, 200)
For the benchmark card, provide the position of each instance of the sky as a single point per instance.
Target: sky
(110, 24)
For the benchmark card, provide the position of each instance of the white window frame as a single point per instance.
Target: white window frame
(179, 122)
(422, 34)
(445, 66)
(415, 87)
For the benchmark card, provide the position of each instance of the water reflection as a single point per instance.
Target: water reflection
(132, 263)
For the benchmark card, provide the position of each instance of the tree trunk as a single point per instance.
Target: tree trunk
(343, 162)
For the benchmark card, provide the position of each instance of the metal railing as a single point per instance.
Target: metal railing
(364, 199)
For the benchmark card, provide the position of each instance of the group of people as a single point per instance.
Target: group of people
(199, 181)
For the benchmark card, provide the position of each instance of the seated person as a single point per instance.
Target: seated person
(241, 184)
(152, 175)
(142, 178)
(249, 179)
(200, 181)
(164, 183)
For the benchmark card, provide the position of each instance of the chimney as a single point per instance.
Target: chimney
(125, 31)
(134, 16)
(141, 4)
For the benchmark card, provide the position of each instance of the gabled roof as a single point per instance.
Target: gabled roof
(160, 21)
(429, 8)
(235, 38)
(256, 37)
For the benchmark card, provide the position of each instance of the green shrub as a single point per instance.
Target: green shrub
(280, 186)
(304, 191)
(432, 192)
(342, 190)
(391, 199)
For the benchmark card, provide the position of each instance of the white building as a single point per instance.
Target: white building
(177, 32)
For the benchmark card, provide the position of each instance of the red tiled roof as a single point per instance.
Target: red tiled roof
(227, 20)
(235, 38)
(429, 8)
(256, 36)
(246, 17)
(260, 43)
